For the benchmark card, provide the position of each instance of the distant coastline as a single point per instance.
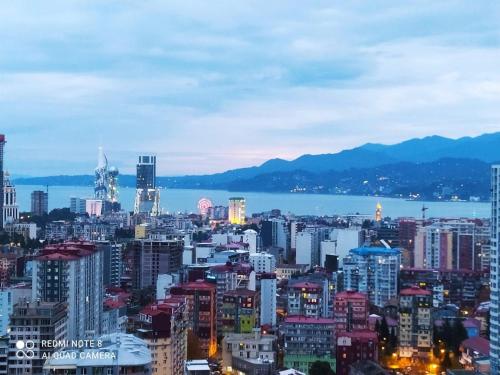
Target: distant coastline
(42, 182)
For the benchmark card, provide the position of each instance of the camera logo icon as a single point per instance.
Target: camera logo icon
(25, 349)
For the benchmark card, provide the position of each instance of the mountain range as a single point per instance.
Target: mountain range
(433, 167)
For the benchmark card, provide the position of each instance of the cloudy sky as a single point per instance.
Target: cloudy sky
(214, 85)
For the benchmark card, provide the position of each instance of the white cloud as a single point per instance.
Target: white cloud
(217, 85)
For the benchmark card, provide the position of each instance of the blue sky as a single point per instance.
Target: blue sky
(214, 85)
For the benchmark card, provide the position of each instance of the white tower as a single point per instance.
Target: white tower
(10, 208)
(101, 176)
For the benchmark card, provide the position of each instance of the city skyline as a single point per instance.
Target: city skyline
(214, 87)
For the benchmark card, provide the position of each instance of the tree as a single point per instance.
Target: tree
(446, 363)
(459, 334)
(321, 368)
(388, 339)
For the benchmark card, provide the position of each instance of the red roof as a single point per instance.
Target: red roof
(479, 344)
(166, 306)
(240, 292)
(306, 285)
(242, 268)
(196, 285)
(350, 294)
(113, 304)
(360, 334)
(66, 251)
(308, 320)
(415, 291)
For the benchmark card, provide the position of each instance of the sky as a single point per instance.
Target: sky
(214, 85)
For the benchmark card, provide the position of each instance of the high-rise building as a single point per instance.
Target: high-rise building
(146, 172)
(340, 242)
(353, 347)
(268, 288)
(451, 244)
(275, 233)
(106, 183)
(147, 198)
(154, 257)
(351, 311)
(112, 263)
(72, 272)
(101, 176)
(415, 327)
(249, 353)
(407, 232)
(10, 210)
(495, 270)
(434, 248)
(308, 244)
(31, 324)
(227, 277)
(263, 262)
(2, 146)
(308, 340)
(240, 311)
(163, 326)
(4, 354)
(237, 210)
(78, 205)
(250, 237)
(373, 271)
(307, 248)
(39, 203)
(201, 317)
(307, 299)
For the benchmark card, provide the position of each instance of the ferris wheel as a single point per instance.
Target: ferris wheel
(204, 205)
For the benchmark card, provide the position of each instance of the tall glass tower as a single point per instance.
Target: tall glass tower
(147, 197)
(146, 172)
(494, 270)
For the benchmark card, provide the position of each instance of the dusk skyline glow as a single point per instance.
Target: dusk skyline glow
(211, 86)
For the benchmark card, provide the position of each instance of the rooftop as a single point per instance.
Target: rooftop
(294, 319)
(350, 294)
(128, 349)
(478, 344)
(306, 285)
(381, 251)
(240, 292)
(248, 337)
(67, 251)
(292, 266)
(360, 334)
(415, 291)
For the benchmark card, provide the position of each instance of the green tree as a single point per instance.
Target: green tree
(321, 368)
